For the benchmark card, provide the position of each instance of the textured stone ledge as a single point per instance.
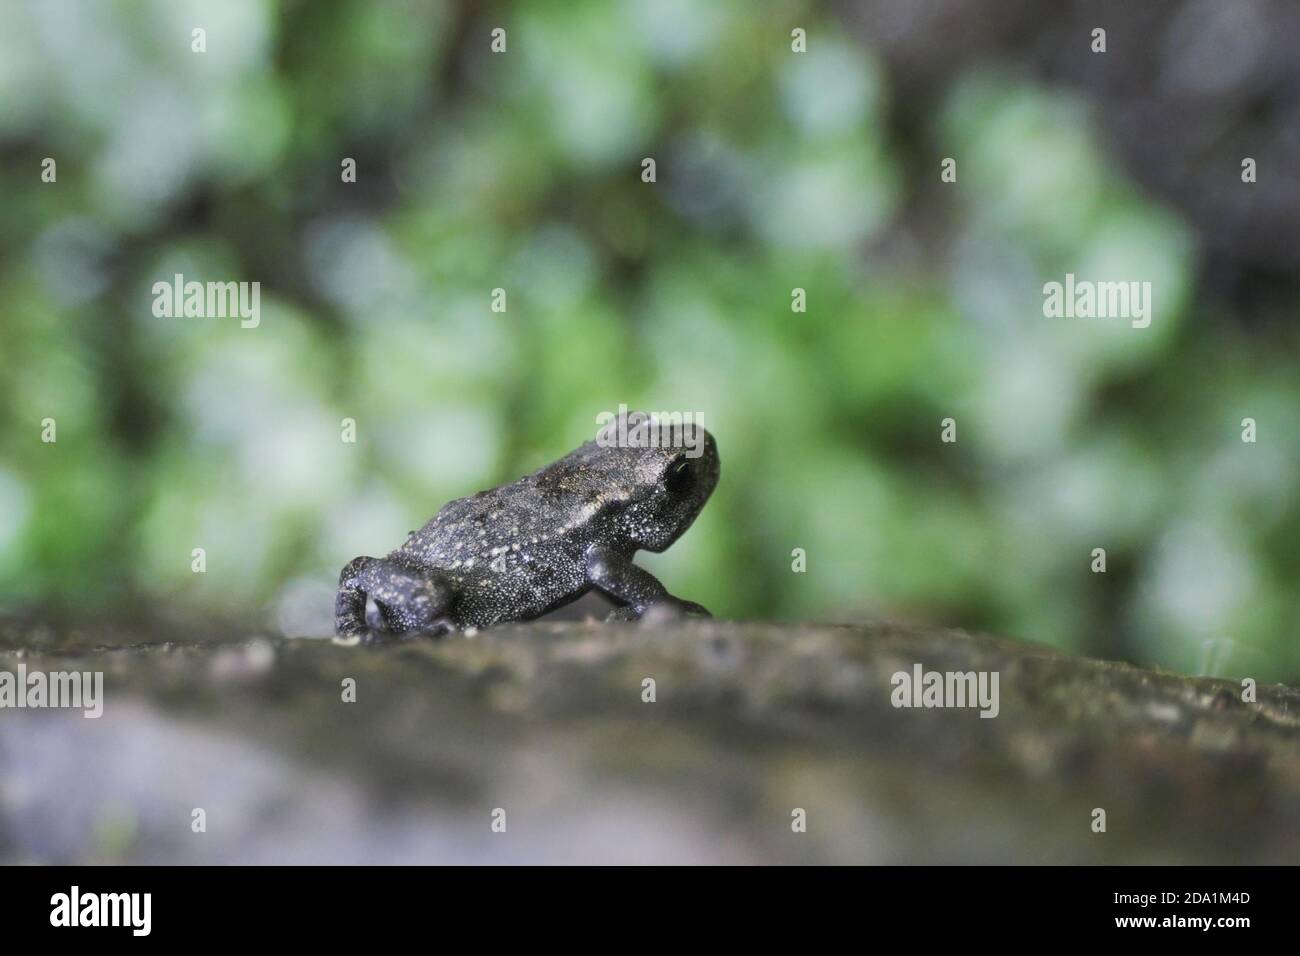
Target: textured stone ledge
(548, 722)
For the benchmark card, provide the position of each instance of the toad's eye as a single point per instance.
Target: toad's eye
(678, 477)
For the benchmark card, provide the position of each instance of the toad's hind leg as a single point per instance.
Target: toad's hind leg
(411, 600)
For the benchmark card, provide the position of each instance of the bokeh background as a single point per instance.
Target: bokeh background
(775, 171)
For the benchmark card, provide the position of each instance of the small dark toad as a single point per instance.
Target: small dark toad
(518, 551)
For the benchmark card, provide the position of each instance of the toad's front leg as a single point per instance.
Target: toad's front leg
(633, 587)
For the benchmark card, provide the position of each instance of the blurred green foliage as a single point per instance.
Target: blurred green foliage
(521, 171)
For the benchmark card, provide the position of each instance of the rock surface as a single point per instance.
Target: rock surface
(547, 723)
